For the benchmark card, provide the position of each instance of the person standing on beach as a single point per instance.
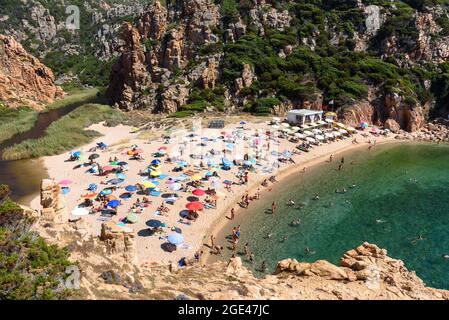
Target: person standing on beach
(273, 207)
(331, 158)
(232, 214)
(212, 241)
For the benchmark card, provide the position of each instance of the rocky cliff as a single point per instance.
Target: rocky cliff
(77, 52)
(24, 80)
(369, 61)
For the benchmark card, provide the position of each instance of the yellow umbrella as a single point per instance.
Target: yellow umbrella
(148, 184)
(330, 114)
(155, 173)
(195, 177)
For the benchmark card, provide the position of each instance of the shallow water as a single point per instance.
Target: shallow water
(385, 191)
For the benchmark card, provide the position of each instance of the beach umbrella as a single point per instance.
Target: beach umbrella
(122, 163)
(94, 156)
(65, 182)
(329, 120)
(308, 133)
(108, 168)
(162, 148)
(115, 181)
(194, 206)
(90, 195)
(175, 238)
(155, 173)
(300, 135)
(309, 139)
(131, 188)
(114, 203)
(148, 185)
(65, 190)
(198, 192)
(156, 162)
(195, 177)
(121, 176)
(364, 124)
(106, 191)
(285, 124)
(80, 211)
(137, 151)
(287, 154)
(76, 154)
(182, 163)
(329, 135)
(319, 137)
(155, 193)
(154, 223)
(132, 217)
(125, 195)
(350, 129)
(175, 187)
(343, 131)
(316, 131)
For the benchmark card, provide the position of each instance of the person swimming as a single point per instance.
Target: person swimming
(380, 221)
(268, 236)
(295, 222)
(290, 202)
(308, 251)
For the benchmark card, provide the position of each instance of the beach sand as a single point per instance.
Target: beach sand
(210, 221)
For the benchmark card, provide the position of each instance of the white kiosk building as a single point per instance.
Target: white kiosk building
(303, 116)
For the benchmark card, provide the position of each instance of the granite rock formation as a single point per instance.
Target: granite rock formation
(24, 80)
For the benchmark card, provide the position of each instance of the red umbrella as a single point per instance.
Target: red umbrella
(137, 151)
(199, 192)
(162, 148)
(108, 168)
(194, 206)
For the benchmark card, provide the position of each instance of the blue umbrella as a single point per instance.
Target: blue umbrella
(162, 176)
(248, 163)
(230, 146)
(226, 162)
(131, 188)
(122, 163)
(120, 175)
(175, 238)
(156, 162)
(106, 191)
(114, 203)
(116, 181)
(154, 223)
(76, 154)
(155, 193)
(126, 195)
(182, 163)
(92, 187)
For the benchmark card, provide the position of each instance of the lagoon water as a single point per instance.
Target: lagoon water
(401, 194)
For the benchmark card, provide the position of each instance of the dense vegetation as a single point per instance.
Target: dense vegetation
(29, 267)
(15, 121)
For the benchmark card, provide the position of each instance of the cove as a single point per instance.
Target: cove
(400, 202)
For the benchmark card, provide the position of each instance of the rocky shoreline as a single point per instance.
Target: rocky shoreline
(436, 131)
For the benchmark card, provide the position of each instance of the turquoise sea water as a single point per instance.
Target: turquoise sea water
(385, 190)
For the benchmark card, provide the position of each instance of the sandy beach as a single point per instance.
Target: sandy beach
(197, 234)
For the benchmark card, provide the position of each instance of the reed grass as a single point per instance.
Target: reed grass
(77, 96)
(65, 133)
(15, 121)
